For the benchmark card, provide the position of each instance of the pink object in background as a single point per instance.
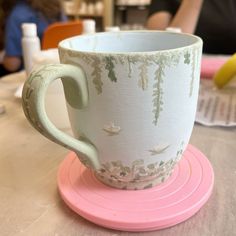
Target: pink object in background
(165, 205)
(211, 64)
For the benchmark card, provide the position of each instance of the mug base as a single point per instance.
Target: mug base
(162, 206)
(135, 185)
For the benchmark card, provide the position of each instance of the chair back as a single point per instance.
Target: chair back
(58, 31)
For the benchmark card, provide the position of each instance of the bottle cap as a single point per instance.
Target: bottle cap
(174, 29)
(29, 29)
(112, 28)
(89, 26)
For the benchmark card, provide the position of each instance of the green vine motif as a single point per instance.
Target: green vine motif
(138, 171)
(71, 53)
(129, 66)
(62, 55)
(143, 81)
(157, 90)
(86, 58)
(193, 72)
(180, 151)
(96, 64)
(36, 74)
(110, 66)
(96, 74)
(174, 59)
(161, 61)
(132, 60)
(29, 90)
(169, 59)
(121, 59)
(187, 58)
(164, 61)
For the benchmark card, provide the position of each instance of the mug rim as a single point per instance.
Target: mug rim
(198, 42)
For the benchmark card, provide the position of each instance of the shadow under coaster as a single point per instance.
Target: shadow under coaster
(165, 205)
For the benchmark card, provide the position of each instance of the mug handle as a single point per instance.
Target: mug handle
(76, 94)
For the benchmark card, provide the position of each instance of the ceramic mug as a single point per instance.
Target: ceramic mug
(54, 101)
(131, 98)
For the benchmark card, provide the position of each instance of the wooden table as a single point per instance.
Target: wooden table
(29, 199)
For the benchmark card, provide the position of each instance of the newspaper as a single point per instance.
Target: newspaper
(216, 107)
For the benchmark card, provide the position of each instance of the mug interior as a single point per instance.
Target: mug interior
(129, 41)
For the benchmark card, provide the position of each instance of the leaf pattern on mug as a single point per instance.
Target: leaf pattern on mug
(187, 56)
(143, 81)
(110, 67)
(158, 91)
(28, 103)
(139, 64)
(138, 175)
(195, 59)
(96, 74)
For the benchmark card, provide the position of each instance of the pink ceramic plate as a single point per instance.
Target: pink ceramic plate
(168, 204)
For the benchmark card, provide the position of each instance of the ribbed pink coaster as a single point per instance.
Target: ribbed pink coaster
(168, 204)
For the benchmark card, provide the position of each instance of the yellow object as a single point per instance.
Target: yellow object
(226, 72)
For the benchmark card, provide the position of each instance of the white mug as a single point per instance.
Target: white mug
(131, 99)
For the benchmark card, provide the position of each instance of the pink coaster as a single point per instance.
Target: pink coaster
(168, 204)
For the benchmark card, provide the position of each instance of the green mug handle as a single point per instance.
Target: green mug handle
(76, 94)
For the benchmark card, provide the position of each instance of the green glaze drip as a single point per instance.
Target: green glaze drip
(96, 74)
(157, 91)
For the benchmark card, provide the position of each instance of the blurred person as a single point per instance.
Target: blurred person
(213, 20)
(41, 12)
(1, 26)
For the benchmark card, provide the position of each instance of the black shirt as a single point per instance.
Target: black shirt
(216, 24)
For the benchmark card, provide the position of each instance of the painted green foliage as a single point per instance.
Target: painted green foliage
(187, 58)
(143, 81)
(96, 74)
(29, 103)
(163, 61)
(192, 60)
(193, 73)
(141, 63)
(138, 171)
(157, 90)
(109, 65)
(132, 60)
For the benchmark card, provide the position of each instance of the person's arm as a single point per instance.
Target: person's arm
(159, 20)
(185, 18)
(11, 63)
(12, 60)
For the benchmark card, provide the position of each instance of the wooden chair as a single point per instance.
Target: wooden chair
(56, 32)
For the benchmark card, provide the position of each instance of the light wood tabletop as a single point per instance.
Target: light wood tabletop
(31, 205)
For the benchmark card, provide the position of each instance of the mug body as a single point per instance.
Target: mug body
(143, 90)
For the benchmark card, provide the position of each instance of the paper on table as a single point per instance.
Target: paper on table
(216, 107)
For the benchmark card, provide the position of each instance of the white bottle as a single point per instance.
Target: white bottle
(89, 26)
(30, 45)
